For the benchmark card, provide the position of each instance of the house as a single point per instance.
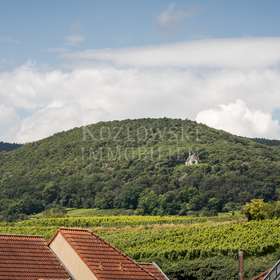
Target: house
(261, 276)
(76, 254)
(271, 274)
(28, 257)
(192, 159)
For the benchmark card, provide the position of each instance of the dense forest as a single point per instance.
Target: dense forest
(267, 141)
(139, 164)
(8, 147)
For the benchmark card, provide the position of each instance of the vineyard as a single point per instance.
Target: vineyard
(176, 242)
(169, 239)
(123, 221)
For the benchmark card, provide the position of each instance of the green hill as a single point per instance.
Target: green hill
(8, 147)
(138, 164)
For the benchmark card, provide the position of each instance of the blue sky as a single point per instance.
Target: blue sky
(33, 30)
(67, 63)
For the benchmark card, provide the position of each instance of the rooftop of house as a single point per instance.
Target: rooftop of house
(261, 276)
(32, 258)
(155, 270)
(105, 261)
(28, 257)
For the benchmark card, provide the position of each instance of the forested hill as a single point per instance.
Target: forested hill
(8, 147)
(139, 164)
(267, 141)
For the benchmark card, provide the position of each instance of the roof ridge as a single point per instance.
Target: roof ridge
(66, 229)
(22, 236)
(75, 229)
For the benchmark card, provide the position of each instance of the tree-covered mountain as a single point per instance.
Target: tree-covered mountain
(8, 146)
(267, 141)
(139, 164)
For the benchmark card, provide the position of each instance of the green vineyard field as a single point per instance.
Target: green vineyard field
(168, 236)
(168, 239)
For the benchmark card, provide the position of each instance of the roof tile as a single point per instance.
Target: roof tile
(154, 270)
(28, 258)
(105, 261)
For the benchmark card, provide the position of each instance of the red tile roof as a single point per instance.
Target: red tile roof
(261, 276)
(154, 270)
(28, 258)
(105, 261)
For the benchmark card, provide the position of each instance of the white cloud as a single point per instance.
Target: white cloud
(9, 122)
(52, 119)
(172, 16)
(55, 100)
(238, 119)
(74, 39)
(210, 53)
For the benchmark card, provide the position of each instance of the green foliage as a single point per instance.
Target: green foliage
(57, 211)
(267, 141)
(110, 164)
(199, 241)
(148, 201)
(203, 268)
(218, 267)
(185, 247)
(257, 209)
(72, 212)
(119, 221)
(8, 147)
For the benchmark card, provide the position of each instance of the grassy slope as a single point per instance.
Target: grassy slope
(71, 170)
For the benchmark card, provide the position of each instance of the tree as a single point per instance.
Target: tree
(214, 205)
(148, 201)
(231, 207)
(276, 209)
(257, 209)
(104, 200)
(128, 197)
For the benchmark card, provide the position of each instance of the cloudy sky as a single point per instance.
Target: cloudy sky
(68, 63)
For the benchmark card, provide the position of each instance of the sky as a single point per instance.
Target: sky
(67, 63)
